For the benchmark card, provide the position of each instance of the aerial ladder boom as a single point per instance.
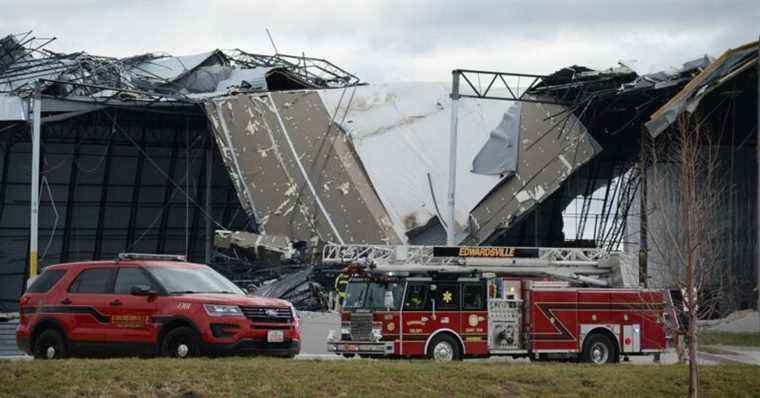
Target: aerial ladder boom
(590, 266)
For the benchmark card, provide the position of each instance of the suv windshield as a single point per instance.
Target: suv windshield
(193, 280)
(371, 295)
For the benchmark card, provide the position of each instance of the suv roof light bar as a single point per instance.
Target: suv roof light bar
(149, 256)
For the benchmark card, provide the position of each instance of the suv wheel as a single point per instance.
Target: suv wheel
(444, 348)
(181, 342)
(50, 344)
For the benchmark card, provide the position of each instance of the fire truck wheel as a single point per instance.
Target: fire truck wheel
(599, 349)
(50, 344)
(444, 348)
(181, 342)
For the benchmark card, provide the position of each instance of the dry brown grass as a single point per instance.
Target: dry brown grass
(271, 377)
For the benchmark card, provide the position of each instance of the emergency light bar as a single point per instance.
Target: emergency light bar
(148, 256)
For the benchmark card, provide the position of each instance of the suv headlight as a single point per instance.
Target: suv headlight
(222, 310)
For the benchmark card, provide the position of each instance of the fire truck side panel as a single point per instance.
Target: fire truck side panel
(442, 321)
(562, 318)
(388, 321)
(416, 330)
(593, 307)
(642, 312)
(654, 331)
(554, 320)
(475, 332)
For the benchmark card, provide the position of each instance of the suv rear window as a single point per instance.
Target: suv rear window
(46, 281)
(93, 280)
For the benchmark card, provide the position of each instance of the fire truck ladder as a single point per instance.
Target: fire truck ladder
(590, 266)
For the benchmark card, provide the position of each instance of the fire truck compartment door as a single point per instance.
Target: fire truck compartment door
(554, 320)
(632, 338)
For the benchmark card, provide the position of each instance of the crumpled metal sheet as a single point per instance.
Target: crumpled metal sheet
(295, 171)
(297, 288)
(280, 245)
(179, 72)
(499, 154)
(553, 145)
(400, 132)
(12, 108)
(730, 64)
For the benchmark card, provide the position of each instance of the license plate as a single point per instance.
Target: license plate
(275, 336)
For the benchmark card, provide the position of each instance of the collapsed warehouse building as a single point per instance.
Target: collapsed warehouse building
(126, 161)
(280, 154)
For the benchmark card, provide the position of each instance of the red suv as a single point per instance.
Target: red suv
(147, 305)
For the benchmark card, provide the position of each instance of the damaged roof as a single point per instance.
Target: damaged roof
(25, 62)
(730, 64)
(368, 165)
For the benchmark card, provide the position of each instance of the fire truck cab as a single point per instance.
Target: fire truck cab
(475, 313)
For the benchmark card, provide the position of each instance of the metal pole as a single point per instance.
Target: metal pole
(209, 168)
(757, 201)
(643, 207)
(35, 181)
(453, 157)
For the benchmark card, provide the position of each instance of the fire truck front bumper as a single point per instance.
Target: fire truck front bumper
(360, 347)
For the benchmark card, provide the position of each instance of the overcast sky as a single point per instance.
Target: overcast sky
(402, 40)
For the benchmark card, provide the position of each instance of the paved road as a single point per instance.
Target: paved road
(746, 321)
(314, 329)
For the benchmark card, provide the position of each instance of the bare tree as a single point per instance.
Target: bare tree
(685, 226)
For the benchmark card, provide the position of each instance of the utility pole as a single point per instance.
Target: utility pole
(450, 239)
(36, 102)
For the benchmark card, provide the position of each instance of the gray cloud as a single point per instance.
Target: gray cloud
(402, 40)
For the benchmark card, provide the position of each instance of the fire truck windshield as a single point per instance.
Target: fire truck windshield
(372, 295)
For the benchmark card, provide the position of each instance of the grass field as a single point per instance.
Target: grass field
(728, 338)
(271, 377)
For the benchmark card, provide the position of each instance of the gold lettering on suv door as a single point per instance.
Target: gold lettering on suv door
(130, 321)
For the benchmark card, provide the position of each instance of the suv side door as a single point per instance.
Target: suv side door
(86, 301)
(130, 314)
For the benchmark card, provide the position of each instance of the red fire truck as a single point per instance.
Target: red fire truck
(447, 303)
